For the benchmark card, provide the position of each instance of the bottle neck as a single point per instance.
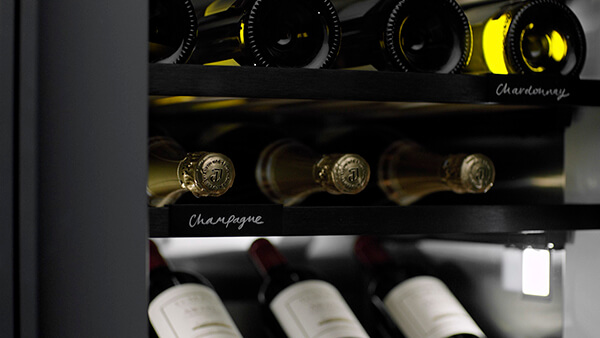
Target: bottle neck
(164, 186)
(266, 257)
(173, 172)
(363, 24)
(221, 37)
(288, 171)
(383, 273)
(285, 172)
(408, 172)
(372, 255)
(156, 260)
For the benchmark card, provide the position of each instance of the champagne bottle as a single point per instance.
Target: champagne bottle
(272, 167)
(172, 30)
(269, 33)
(173, 172)
(406, 35)
(407, 171)
(526, 37)
(299, 303)
(417, 302)
(184, 305)
(288, 171)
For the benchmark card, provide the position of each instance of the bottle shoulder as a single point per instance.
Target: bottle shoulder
(280, 278)
(162, 279)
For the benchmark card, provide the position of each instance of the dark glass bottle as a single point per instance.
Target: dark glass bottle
(410, 298)
(297, 302)
(406, 35)
(526, 37)
(172, 172)
(172, 30)
(184, 305)
(269, 33)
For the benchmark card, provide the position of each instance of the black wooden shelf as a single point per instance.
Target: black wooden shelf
(360, 85)
(370, 86)
(275, 220)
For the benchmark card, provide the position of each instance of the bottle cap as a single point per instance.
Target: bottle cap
(265, 256)
(206, 174)
(473, 173)
(156, 259)
(369, 252)
(343, 173)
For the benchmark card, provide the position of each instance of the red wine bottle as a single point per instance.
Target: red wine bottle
(412, 298)
(297, 302)
(184, 305)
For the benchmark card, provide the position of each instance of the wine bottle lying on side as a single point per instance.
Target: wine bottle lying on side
(410, 298)
(268, 33)
(431, 36)
(173, 172)
(407, 171)
(273, 168)
(526, 37)
(184, 305)
(297, 303)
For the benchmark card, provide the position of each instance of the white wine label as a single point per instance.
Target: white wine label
(315, 308)
(191, 310)
(424, 307)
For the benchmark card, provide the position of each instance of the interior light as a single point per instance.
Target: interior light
(536, 272)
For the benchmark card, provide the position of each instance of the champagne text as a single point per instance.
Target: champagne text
(239, 221)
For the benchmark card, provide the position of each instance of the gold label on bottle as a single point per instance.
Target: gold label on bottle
(477, 173)
(344, 174)
(207, 174)
(473, 173)
(217, 172)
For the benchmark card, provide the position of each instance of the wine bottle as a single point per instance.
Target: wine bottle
(406, 170)
(173, 172)
(289, 171)
(185, 305)
(272, 167)
(269, 33)
(405, 35)
(526, 37)
(417, 302)
(297, 301)
(172, 30)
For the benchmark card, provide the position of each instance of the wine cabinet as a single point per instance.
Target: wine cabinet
(78, 95)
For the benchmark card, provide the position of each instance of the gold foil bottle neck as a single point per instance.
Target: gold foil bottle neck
(342, 173)
(473, 173)
(206, 174)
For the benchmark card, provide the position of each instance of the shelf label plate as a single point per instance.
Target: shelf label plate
(534, 89)
(189, 220)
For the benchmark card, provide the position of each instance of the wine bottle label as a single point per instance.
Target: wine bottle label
(191, 310)
(424, 307)
(315, 308)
